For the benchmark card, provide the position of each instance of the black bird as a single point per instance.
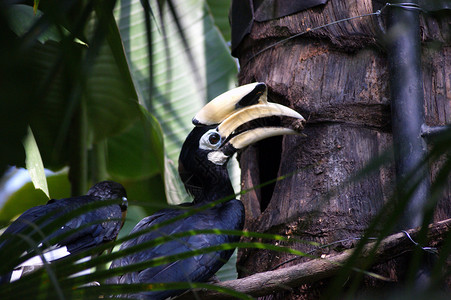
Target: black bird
(89, 229)
(224, 125)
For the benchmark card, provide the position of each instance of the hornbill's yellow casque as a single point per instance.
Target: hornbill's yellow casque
(229, 122)
(91, 228)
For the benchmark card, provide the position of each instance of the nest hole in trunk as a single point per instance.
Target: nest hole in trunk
(269, 155)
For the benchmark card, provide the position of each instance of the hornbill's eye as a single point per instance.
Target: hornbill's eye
(214, 138)
(211, 140)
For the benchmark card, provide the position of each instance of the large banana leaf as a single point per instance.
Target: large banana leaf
(108, 91)
(186, 64)
(126, 138)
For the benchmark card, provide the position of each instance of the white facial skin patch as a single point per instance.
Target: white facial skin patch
(217, 157)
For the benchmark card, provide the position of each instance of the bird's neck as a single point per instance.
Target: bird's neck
(213, 189)
(220, 192)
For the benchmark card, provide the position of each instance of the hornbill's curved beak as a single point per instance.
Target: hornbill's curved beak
(218, 109)
(243, 117)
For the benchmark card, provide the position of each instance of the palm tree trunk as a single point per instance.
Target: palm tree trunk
(337, 78)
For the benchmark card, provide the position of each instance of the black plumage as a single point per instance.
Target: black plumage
(206, 182)
(90, 229)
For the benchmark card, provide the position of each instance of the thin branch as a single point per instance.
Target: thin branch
(269, 282)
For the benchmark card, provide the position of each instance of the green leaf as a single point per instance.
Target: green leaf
(184, 77)
(23, 18)
(148, 194)
(112, 100)
(27, 196)
(138, 152)
(34, 163)
(104, 82)
(220, 11)
(35, 6)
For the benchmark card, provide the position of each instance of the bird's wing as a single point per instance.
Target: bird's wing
(28, 217)
(31, 221)
(92, 228)
(197, 268)
(107, 221)
(145, 223)
(83, 231)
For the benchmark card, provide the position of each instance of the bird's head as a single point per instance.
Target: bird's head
(228, 123)
(109, 190)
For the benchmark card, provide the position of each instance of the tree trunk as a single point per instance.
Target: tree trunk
(337, 78)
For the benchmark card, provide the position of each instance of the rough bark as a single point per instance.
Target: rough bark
(337, 78)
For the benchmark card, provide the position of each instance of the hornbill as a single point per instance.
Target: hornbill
(81, 232)
(226, 124)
